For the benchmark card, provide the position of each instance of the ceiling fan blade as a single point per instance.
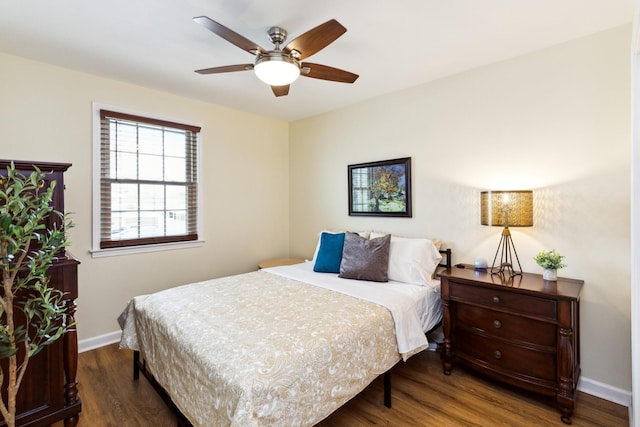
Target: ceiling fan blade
(229, 35)
(280, 90)
(324, 72)
(316, 39)
(226, 69)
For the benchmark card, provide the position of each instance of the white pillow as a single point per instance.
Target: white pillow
(364, 234)
(436, 242)
(412, 260)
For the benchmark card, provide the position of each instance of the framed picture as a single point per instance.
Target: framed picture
(380, 188)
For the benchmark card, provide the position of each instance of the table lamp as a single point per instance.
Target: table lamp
(508, 209)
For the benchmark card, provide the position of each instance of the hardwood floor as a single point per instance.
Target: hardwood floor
(422, 396)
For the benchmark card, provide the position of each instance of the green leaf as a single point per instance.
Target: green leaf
(24, 203)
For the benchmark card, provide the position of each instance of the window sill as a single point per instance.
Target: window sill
(101, 253)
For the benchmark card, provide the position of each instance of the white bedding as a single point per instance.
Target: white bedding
(266, 349)
(415, 309)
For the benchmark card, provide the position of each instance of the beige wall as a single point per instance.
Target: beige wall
(46, 113)
(556, 121)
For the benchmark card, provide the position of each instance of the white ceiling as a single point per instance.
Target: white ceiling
(391, 45)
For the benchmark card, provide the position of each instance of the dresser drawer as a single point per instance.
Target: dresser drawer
(521, 330)
(505, 325)
(540, 365)
(519, 303)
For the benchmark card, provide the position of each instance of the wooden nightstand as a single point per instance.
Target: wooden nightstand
(524, 331)
(275, 262)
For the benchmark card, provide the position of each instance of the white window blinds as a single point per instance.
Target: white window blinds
(148, 181)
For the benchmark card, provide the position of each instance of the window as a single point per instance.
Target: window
(147, 181)
(360, 185)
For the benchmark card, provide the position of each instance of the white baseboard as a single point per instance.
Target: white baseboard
(99, 341)
(605, 391)
(586, 385)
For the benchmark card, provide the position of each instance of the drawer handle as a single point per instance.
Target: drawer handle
(497, 324)
(496, 300)
(497, 354)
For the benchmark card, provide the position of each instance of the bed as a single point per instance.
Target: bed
(288, 345)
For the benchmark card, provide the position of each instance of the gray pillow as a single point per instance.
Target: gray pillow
(364, 259)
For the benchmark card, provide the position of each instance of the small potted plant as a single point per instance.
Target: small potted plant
(550, 261)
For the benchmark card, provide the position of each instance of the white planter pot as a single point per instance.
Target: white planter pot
(550, 274)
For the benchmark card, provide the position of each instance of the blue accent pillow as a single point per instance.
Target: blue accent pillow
(330, 253)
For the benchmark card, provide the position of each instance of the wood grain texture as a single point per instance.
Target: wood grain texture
(422, 396)
(524, 330)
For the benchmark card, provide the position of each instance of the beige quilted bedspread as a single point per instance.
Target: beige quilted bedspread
(258, 349)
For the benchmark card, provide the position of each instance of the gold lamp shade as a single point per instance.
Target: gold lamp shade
(507, 208)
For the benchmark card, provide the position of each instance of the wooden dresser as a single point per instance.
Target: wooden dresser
(49, 391)
(523, 330)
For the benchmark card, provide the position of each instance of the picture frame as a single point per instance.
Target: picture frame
(381, 188)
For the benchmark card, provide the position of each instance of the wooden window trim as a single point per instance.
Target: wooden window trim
(191, 182)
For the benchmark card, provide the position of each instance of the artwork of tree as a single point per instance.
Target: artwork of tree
(386, 184)
(380, 188)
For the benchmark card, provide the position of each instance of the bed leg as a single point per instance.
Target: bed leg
(387, 389)
(141, 367)
(136, 364)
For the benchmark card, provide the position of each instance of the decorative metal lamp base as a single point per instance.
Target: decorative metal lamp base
(506, 248)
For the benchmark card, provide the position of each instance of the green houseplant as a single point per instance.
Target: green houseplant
(32, 314)
(551, 261)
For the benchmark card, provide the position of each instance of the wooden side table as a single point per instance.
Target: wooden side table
(523, 330)
(275, 262)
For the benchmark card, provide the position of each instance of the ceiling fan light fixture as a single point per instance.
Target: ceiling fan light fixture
(276, 69)
(281, 66)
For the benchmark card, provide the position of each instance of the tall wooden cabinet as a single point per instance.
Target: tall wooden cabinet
(49, 391)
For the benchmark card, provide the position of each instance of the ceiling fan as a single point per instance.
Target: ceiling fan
(281, 66)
